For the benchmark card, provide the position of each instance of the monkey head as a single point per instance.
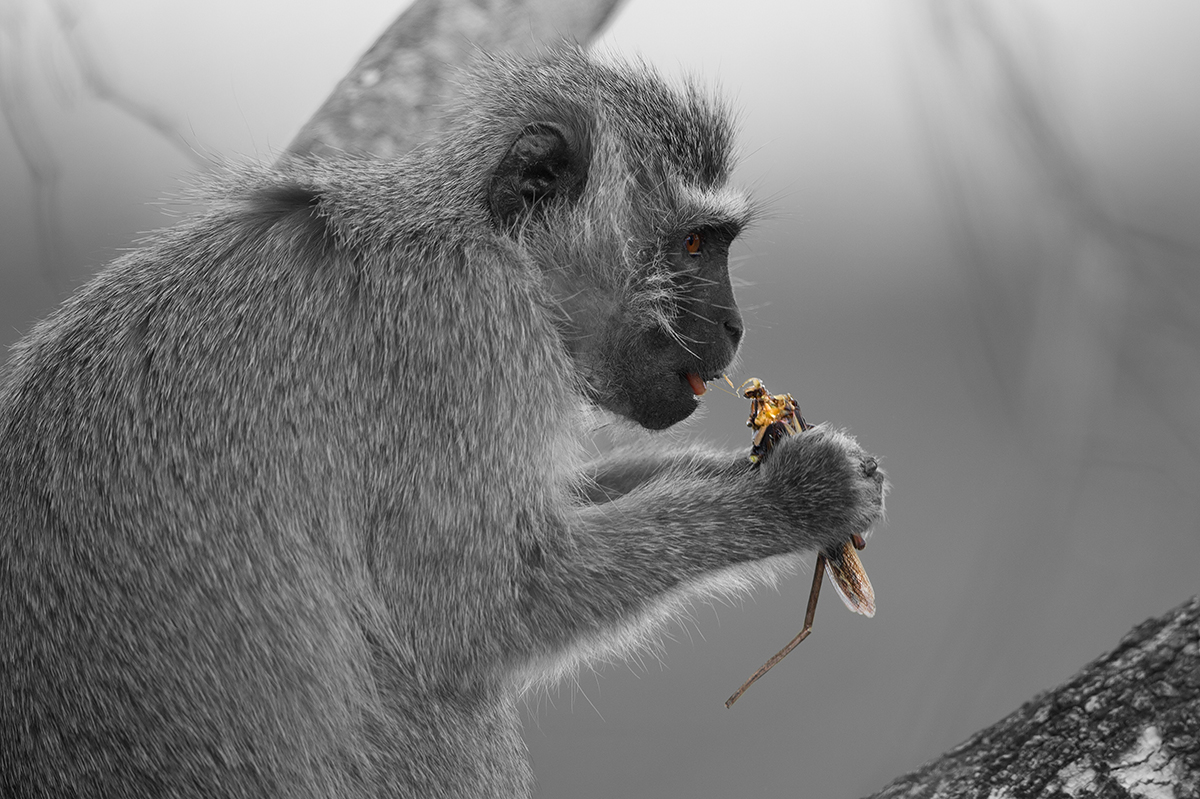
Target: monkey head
(614, 185)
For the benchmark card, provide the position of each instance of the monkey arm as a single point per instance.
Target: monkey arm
(627, 565)
(614, 474)
(704, 523)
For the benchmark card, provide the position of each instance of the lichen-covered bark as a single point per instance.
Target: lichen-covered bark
(387, 103)
(1127, 725)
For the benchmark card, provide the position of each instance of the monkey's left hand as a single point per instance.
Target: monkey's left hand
(820, 489)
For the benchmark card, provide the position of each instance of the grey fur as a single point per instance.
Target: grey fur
(291, 497)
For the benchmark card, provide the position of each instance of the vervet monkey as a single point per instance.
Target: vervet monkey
(292, 497)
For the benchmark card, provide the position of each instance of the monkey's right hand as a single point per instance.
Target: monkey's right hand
(819, 489)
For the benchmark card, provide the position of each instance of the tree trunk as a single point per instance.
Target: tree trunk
(1127, 725)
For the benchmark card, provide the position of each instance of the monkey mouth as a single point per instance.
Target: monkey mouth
(696, 383)
(696, 380)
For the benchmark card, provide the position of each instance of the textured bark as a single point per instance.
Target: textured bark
(387, 103)
(1127, 725)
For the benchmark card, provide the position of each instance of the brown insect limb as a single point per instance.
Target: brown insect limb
(809, 613)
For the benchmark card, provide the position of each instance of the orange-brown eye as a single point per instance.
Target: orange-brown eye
(691, 243)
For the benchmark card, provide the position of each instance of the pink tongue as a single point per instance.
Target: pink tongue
(696, 383)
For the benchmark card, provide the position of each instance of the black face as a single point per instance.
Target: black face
(650, 374)
(649, 370)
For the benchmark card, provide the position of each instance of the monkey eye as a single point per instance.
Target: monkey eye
(692, 242)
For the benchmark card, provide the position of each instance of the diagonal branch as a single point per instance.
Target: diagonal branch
(388, 102)
(1126, 725)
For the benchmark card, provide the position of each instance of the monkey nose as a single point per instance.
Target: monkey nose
(734, 330)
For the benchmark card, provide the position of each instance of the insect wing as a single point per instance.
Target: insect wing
(850, 579)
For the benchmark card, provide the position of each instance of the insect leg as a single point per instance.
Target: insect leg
(809, 613)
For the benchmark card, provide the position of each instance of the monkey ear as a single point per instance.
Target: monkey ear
(544, 164)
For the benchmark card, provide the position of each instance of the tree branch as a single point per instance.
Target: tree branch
(387, 102)
(1126, 725)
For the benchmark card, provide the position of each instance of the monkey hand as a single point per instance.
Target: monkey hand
(820, 489)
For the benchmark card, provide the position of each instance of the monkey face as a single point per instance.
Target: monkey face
(645, 353)
(634, 249)
(655, 368)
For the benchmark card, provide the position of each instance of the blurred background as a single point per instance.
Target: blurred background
(981, 254)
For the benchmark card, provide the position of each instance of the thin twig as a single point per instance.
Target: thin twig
(811, 611)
